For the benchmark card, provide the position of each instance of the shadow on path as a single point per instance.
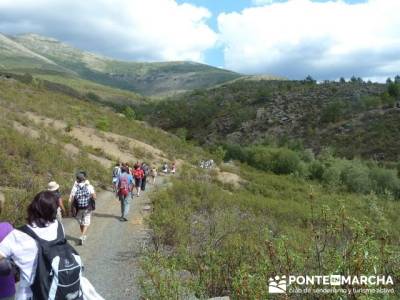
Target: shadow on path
(72, 239)
(99, 215)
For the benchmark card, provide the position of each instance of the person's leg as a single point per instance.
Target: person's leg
(139, 187)
(126, 207)
(86, 216)
(143, 185)
(121, 200)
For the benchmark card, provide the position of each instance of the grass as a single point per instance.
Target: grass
(229, 242)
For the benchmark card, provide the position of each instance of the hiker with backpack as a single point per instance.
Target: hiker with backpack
(115, 174)
(49, 267)
(138, 176)
(7, 281)
(54, 187)
(125, 187)
(146, 172)
(153, 174)
(82, 201)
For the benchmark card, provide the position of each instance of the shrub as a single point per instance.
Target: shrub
(384, 180)
(103, 124)
(129, 113)
(316, 170)
(356, 177)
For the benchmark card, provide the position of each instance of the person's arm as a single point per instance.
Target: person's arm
(92, 191)
(5, 266)
(61, 203)
(72, 194)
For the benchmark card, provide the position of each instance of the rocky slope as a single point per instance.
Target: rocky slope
(354, 118)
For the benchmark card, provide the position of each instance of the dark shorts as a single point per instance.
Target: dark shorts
(138, 182)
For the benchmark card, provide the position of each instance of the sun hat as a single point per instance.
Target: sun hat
(53, 186)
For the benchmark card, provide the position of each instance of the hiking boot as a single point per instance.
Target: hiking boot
(125, 219)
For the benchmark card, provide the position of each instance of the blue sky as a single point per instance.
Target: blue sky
(215, 56)
(290, 38)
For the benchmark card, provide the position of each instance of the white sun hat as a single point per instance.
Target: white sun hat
(53, 186)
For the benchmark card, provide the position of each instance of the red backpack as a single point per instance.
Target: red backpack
(123, 185)
(138, 173)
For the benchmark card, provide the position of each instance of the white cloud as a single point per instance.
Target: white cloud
(262, 2)
(326, 40)
(136, 29)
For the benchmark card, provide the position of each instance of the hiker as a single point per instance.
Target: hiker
(138, 176)
(153, 174)
(115, 174)
(146, 172)
(54, 187)
(7, 281)
(38, 278)
(125, 187)
(82, 200)
(165, 168)
(173, 168)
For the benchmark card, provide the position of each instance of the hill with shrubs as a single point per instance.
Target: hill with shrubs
(35, 54)
(354, 118)
(306, 179)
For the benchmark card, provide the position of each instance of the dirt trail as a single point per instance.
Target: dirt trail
(112, 251)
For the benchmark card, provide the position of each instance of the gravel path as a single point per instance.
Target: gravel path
(112, 251)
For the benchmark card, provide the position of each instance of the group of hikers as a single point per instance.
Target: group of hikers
(38, 255)
(48, 267)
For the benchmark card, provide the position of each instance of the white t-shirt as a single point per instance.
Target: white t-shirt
(23, 250)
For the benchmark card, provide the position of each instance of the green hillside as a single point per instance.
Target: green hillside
(218, 232)
(157, 79)
(354, 118)
(14, 56)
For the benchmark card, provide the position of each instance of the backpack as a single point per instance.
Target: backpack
(116, 172)
(59, 268)
(138, 173)
(82, 197)
(123, 186)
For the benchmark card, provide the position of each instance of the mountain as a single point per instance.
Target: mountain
(16, 56)
(35, 53)
(354, 118)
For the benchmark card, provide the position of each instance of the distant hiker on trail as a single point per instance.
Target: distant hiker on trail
(165, 168)
(125, 187)
(54, 187)
(82, 200)
(138, 176)
(31, 251)
(115, 174)
(146, 172)
(153, 174)
(173, 168)
(7, 281)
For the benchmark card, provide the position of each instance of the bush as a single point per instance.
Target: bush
(129, 113)
(103, 124)
(356, 177)
(316, 170)
(384, 180)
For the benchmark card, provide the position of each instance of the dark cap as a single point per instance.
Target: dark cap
(81, 176)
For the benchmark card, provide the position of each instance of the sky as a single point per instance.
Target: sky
(326, 39)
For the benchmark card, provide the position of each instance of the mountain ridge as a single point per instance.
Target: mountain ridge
(146, 78)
